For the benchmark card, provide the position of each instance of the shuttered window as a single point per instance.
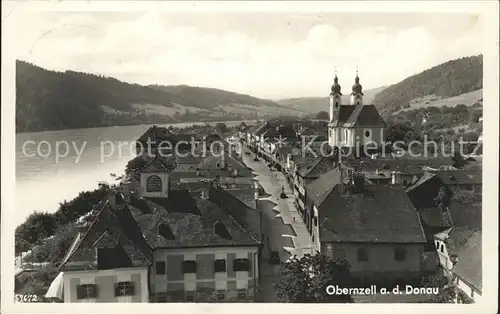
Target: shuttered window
(154, 184)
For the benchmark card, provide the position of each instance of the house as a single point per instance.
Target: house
(163, 244)
(375, 228)
(109, 259)
(154, 139)
(307, 174)
(460, 257)
(463, 180)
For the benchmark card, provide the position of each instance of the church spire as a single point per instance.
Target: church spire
(357, 90)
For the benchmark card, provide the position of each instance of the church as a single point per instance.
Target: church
(355, 124)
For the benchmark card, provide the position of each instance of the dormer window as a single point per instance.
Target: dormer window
(218, 165)
(154, 184)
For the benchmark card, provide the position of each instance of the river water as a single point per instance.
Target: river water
(44, 178)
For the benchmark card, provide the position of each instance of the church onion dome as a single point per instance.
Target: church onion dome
(336, 87)
(357, 88)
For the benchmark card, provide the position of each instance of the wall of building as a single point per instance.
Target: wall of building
(468, 290)
(164, 180)
(381, 263)
(175, 283)
(105, 281)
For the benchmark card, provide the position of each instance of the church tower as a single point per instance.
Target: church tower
(357, 92)
(335, 97)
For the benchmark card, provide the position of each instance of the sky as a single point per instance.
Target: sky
(267, 55)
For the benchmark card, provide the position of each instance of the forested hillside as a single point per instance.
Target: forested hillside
(50, 100)
(449, 79)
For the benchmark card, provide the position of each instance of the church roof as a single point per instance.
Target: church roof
(342, 115)
(365, 115)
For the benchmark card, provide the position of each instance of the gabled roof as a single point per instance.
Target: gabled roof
(452, 177)
(381, 214)
(318, 190)
(194, 225)
(210, 162)
(469, 265)
(112, 227)
(365, 116)
(261, 128)
(157, 134)
(342, 115)
(316, 168)
(159, 164)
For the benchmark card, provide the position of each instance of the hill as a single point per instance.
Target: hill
(452, 78)
(314, 105)
(50, 100)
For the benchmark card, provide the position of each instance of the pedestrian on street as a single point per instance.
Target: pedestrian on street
(293, 219)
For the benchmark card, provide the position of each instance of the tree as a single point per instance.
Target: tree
(305, 280)
(399, 132)
(447, 291)
(443, 198)
(322, 115)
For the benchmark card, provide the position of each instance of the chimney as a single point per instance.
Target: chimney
(112, 198)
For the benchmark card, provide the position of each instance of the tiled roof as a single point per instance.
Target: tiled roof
(316, 168)
(342, 115)
(193, 225)
(210, 162)
(381, 214)
(155, 133)
(469, 265)
(461, 176)
(159, 164)
(110, 227)
(318, 190)
(365, 116)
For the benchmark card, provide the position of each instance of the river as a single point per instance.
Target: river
(43, 180)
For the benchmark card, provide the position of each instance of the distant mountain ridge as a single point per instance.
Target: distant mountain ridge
(51, 100)
(449, 79)
(314, 105)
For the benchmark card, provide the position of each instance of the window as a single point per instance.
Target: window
(405, 182)
(442, 248)
(315, 219)
(189, 267)
(160, 268)
(367, 133)
(124, 288)
(218, 165)
(362, 255)
(469, 187)
(241, 264)
(399, 254)
(221, 295)
(242, 294)
(190, 296)
(154, 184)
(87, 291)
(220, 266)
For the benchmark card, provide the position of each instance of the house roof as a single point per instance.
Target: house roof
(193, 225)
(261, 128)
(365, 116)
(451, 177)
(318, 190)
(469, 265)
(381, 214)
(211, 162)
(157, 134)
(111, 227)
(159, 164)
(316, 168)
